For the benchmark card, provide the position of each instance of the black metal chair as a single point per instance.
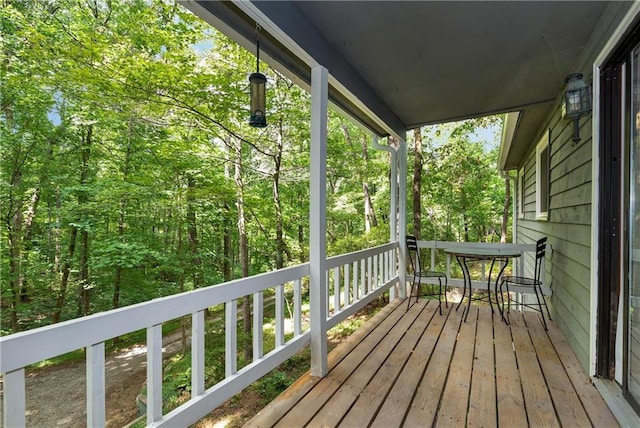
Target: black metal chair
(527, 282)
(418, 273)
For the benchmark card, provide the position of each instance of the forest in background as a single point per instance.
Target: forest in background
(129, 171)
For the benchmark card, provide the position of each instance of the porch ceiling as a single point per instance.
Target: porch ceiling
(413, 63)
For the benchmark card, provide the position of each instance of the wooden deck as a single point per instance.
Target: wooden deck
(416, 368)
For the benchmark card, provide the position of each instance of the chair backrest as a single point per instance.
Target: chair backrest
(413, 252)
(541, 246)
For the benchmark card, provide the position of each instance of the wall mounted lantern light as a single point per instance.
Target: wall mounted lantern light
(257, 83)
(577, 101)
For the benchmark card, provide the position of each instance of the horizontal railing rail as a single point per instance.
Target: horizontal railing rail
(358, 278)
(353, 280)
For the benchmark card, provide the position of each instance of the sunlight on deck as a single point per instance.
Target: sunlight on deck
(417, 368)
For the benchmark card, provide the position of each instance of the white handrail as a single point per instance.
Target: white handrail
(358, 277)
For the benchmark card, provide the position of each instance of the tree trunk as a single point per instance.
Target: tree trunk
(277, 159)
(417, 183)
(181, 275)
(14, 229)
(124, 201)
(369, 211)
(31, 216)
(303, 254)
(57, 248)
(244, 253)
(14, 286)
(465, 223)
(26, 244)
(83, 199)
(66, 269)
(505, 211)
(194, 244)
(227, 250)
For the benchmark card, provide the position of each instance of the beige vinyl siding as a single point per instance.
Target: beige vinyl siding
(568, 227)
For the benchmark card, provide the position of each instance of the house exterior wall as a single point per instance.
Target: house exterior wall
(568, 226)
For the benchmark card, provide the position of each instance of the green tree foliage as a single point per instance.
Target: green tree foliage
(462, 191)
(118, 131)
(122, 123)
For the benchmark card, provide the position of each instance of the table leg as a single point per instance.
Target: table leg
(493, 262)
(464, 288)
(462, 261)
(504, 266)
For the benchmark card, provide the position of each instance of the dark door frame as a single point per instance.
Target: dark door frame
(613, 210)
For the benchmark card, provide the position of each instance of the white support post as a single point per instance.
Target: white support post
(96, 415)
(231, 338)
(402, 216)
(154, 373)
(14, 399)
(318, 220)
(197, 353)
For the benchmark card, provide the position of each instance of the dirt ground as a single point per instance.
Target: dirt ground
(56, 395)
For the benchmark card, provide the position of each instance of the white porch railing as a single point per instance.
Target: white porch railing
(522, 265)
(355, 279)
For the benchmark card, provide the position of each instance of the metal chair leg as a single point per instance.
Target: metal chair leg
(544, 322)
(440, 295)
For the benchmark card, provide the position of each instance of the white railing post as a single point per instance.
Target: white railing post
(154, 373)
(336, 289)
(376, 273)
(318, 217)
(96, 415)
(230, 338)
(370, 274)
(363, 278)
(279, 315)
(14, 399)
(346, 285)
(258, 320)
(197, 353)
(355, 293)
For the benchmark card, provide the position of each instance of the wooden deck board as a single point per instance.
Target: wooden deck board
(510, 401)
(373, 395)
(419, 368)
(597, 410)
(393, 410)
(537, 399)
(370, 368)
(455, 398)
(482, 400)
(567, 405)
(274, 411)
(424, 405)
(326, 387)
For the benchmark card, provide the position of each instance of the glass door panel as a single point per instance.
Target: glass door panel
(634, 233)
